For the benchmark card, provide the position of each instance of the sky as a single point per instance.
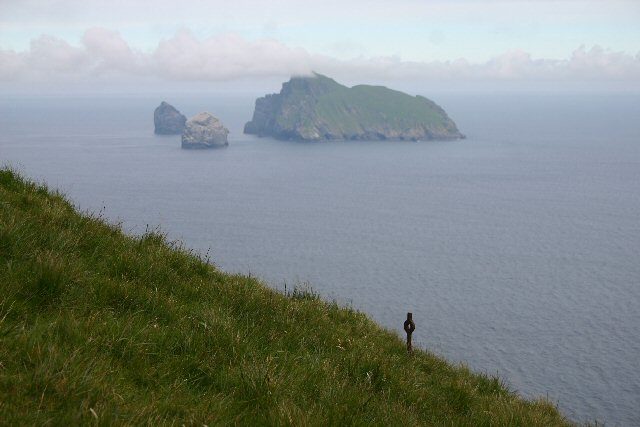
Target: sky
(452, 43)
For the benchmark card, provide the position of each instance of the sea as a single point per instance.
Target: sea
(516, 249)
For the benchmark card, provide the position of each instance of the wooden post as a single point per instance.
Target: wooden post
(409, 327)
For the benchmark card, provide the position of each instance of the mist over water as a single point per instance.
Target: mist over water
(516, 249)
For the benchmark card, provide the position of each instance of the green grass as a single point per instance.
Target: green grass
(371, 105)
(97, 327)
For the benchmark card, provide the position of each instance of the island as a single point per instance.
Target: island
(204, 131)
(168, 120)
(317, 108)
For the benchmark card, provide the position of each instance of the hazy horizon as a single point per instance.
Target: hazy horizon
(69, 46)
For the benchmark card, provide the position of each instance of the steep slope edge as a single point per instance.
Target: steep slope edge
(98, 327)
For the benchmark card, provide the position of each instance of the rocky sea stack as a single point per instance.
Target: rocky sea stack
(168, 120)
(318, 108)
(204, 131)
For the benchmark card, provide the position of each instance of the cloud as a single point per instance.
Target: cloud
(12, 65)
(108, 52)
(104, 54)
(224, 57)
(53, 59)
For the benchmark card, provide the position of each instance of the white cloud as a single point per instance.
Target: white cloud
(224, 57)
(104, 54)
(12, 65)
(107, 52)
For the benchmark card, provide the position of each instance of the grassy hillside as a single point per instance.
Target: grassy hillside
(366, 107)
(100, 327)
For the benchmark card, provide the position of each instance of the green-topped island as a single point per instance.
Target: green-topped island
(317, 108)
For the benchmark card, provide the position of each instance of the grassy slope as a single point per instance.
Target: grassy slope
(372, 105)
(97, 326)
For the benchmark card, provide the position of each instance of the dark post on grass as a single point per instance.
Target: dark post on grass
(409, 327)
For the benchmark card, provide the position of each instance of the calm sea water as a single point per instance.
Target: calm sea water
(517, 249)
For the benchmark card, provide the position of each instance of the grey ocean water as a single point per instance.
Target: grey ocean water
(517, 249)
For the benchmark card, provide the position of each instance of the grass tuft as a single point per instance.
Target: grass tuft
(48, 284)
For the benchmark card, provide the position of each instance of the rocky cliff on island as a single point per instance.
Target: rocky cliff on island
(318, 108)
(204, 131)
(168, 120)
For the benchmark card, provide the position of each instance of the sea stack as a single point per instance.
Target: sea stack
(204, 131)
(168, 120)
